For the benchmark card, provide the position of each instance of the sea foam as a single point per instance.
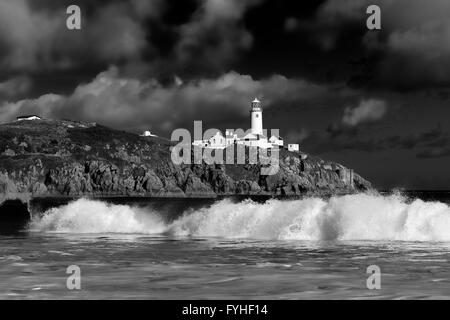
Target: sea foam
(350, 217)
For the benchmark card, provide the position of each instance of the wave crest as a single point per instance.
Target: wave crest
(92, 216)
(351, 217)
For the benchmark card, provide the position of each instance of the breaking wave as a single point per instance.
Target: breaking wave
(351, 217)
(91, 216)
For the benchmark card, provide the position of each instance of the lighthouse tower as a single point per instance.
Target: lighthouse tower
(256, 117)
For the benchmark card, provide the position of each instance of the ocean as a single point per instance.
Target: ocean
(309, 248)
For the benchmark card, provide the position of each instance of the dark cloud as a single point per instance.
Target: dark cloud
(434, 153)
(433, 143)
(36, 39)
(436, 143)
(339, 139)
(294, 136)
(411, 51)
(412, 48)
(291, 24)
(435, 137)
(129, 34)
(215, 34)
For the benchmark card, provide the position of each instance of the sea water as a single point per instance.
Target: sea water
(310, 248)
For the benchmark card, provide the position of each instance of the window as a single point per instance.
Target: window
(257, 115)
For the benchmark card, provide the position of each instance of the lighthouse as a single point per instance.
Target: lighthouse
(256, 117)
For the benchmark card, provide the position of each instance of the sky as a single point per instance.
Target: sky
(374, 100)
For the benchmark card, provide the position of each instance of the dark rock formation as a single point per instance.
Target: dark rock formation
(46, 158)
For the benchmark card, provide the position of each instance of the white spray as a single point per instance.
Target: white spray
(351, 217)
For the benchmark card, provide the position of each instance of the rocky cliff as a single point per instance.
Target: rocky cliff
(49, 158)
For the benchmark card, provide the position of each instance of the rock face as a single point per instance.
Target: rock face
(49, 158)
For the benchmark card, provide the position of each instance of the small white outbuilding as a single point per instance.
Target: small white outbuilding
(148, 134)
(294, 147)
(28, 117)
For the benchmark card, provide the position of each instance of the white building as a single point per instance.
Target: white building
(254, 138)
(148, 134)
(217, 141)
(28, 117)
(294, 147)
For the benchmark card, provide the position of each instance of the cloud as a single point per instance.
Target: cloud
(15, 86)
(434, 153)
(435, 143)
(430, 143)
(412, 49)
(132, 104)
(296, 136)
(367, 111)
(24, 35)
(34, 37)
(434, 137)
(291, 24)
(420, 55)
(215, 35)
(335, 11)
(332, 19)
(338, 140)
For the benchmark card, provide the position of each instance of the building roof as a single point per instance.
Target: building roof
(277, 137)
(218, 133)
(238, 133)
(249, 136)
(252, 136)
(28, 116)
(256, 100)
